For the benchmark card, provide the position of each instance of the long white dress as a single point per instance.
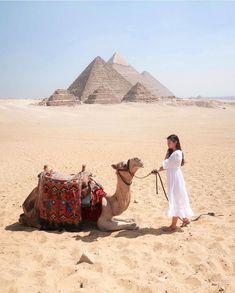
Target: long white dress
(179, 205)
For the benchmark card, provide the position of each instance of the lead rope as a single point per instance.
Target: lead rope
(158, 175)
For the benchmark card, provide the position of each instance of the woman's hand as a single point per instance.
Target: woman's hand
(155, 171)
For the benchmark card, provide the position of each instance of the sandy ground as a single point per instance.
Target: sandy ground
(200, 258)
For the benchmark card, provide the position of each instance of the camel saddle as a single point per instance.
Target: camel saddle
(63, 202)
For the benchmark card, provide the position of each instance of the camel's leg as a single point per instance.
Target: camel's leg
(123, 220)
(111, 225)
(107, 223)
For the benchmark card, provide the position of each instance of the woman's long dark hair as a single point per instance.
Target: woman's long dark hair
(175, 138)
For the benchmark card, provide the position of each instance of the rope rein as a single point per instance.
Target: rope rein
(156, 173)
(158, 176)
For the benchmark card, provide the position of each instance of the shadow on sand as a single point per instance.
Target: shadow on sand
(17, 227)
(95, 234)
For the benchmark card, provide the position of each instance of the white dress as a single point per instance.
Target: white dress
(179, 205)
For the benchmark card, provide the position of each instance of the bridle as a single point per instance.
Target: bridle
(127, 169)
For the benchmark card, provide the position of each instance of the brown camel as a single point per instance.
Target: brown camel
(112, 206)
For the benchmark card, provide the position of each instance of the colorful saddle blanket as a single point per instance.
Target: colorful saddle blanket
(58, 201)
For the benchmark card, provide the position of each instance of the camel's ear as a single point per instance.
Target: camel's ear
(114, 166)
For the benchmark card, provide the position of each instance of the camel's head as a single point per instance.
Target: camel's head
(131, 165)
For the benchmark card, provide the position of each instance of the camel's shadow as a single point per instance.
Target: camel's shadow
(18, 227)
(94, 233)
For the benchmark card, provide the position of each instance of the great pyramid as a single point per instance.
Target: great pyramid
(139, 93)
(133, 76)
(61, 97)
(99, 73)
(102, 95)
(125, 69)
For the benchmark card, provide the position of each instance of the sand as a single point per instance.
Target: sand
(199, 258)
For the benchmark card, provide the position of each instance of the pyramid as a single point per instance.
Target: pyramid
(139, 93)
(99, 73)
(61, 97)
(102, 95)
(117, 59)
(125, 69)
(133, 76)
(155, 86)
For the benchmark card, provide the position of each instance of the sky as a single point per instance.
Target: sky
(189, 46)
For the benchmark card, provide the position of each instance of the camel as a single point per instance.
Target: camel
(111, 206)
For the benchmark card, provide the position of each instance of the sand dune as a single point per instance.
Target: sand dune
(199, 258)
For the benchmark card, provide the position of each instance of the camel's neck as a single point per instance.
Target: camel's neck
(122, 196)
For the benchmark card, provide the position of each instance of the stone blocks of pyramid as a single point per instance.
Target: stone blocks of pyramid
(108, 83)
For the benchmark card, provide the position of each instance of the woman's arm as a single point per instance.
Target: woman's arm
(173, 161)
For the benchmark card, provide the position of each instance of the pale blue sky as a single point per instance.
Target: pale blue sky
(188, 46)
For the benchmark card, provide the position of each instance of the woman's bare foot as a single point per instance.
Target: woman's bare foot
(169, 229)
(185, 223)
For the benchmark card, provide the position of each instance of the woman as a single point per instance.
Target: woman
(179, 206)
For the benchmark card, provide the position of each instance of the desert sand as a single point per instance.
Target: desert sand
(199, 258)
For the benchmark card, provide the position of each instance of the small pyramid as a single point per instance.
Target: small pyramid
(155, 86)
(139, 93)
(102, 95)
(117, 59)
(99, 73)
(61, 97)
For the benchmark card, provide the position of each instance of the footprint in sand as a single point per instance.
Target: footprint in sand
(173, 262)
(129, 285)
(193, 259)
(38, 257)
(49, 262)
(129, 262)
(123, 244)
(193, 282)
